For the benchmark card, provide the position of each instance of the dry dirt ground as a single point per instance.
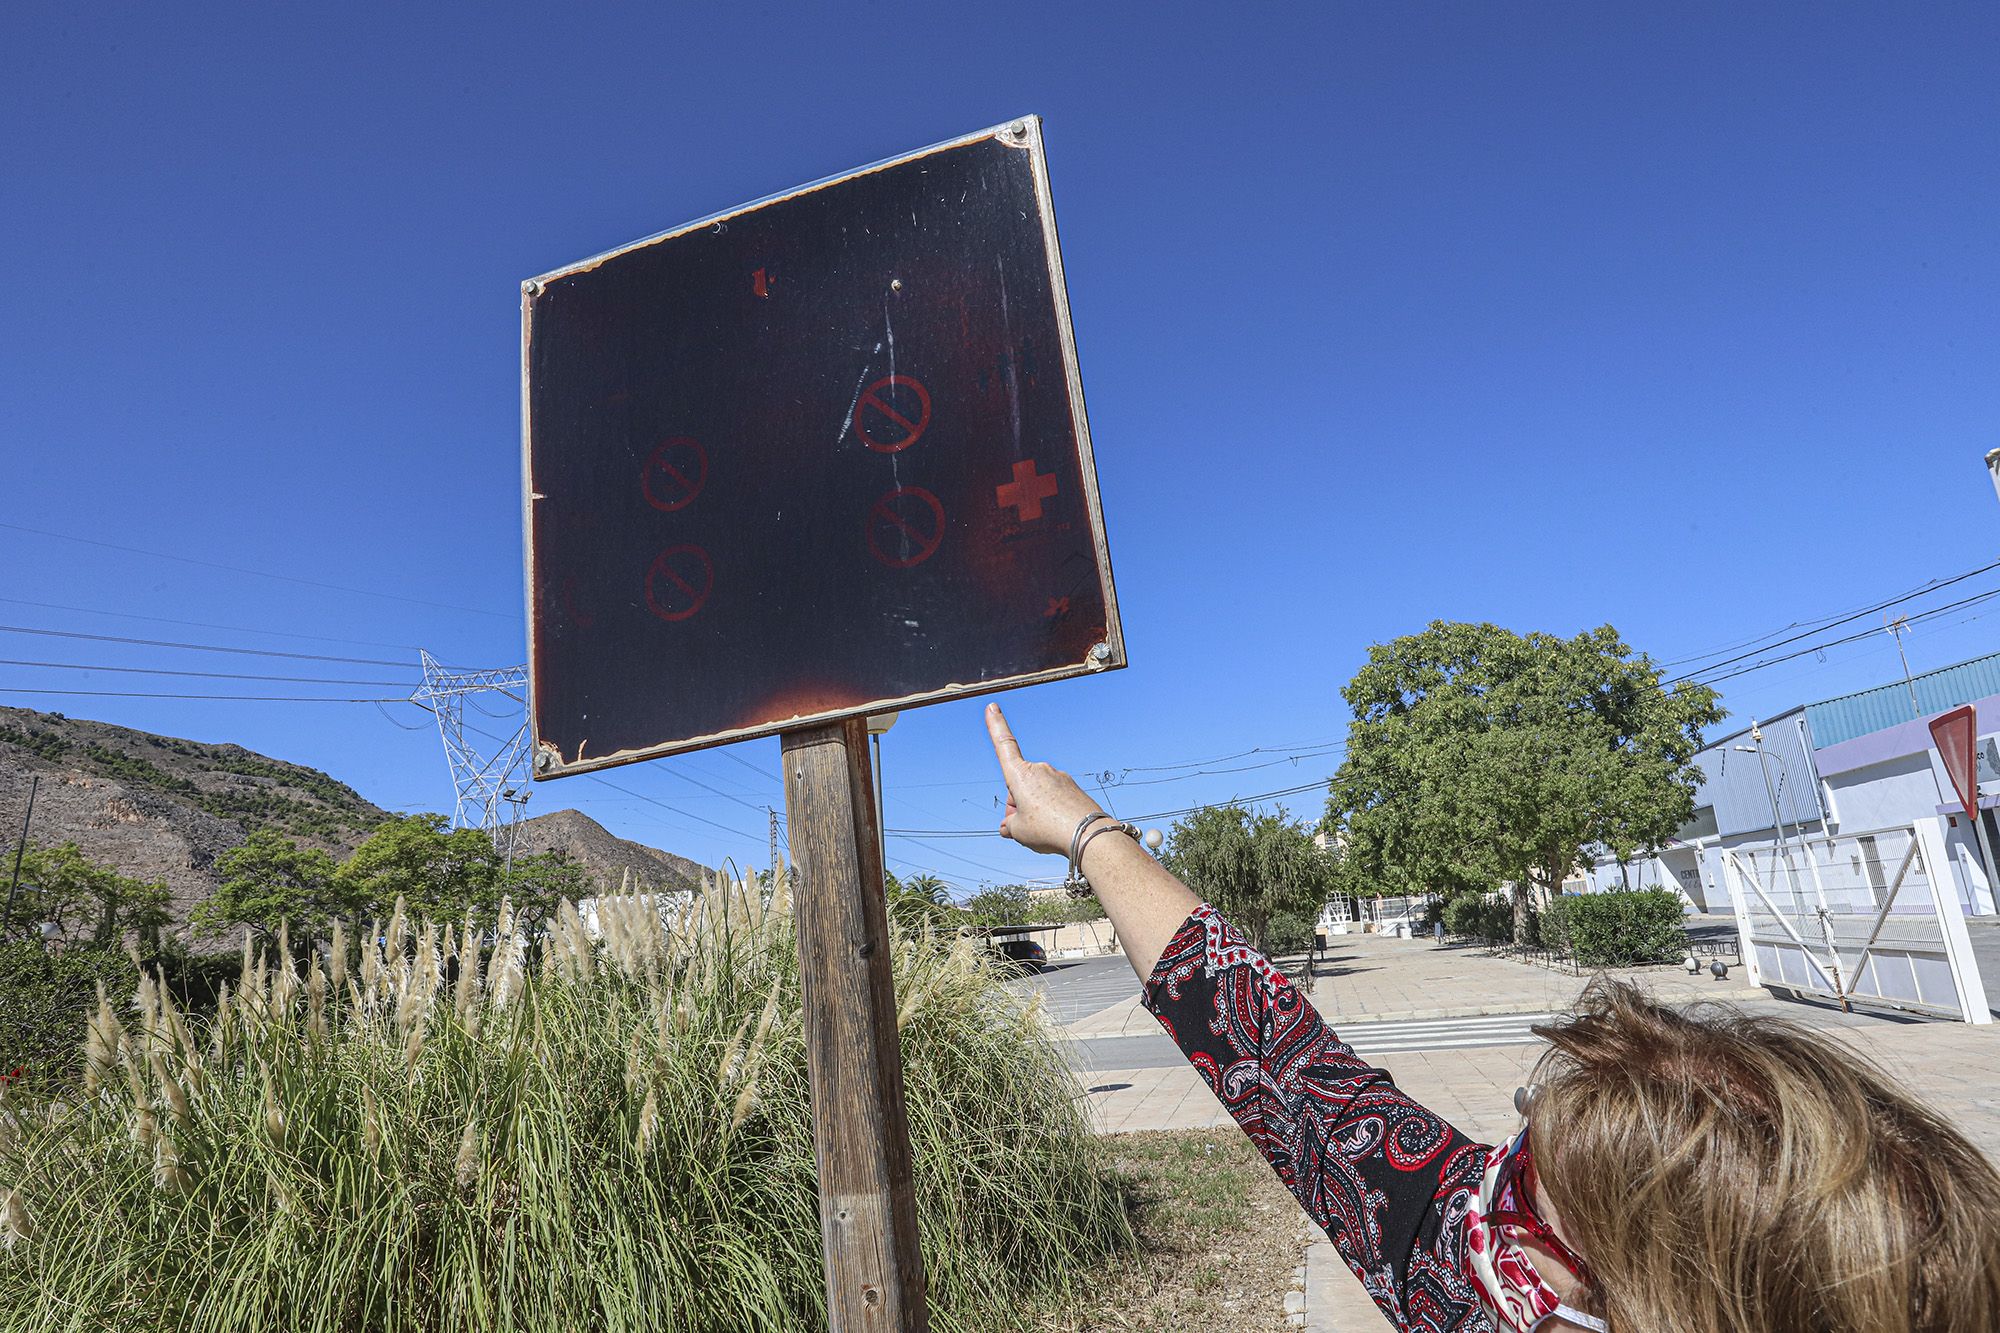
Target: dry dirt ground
(1219, 1240)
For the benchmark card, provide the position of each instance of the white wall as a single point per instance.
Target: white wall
(1885, 795)
(1675, 869)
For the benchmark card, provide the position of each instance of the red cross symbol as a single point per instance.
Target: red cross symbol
(1026, 492)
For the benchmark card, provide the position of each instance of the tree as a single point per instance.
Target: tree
(918, 901)
(927, 887)
(440, 872)
(71, 889)
(538, 884)
(998, 905)
(1251, 868)
(1479, 756)
(268, 880)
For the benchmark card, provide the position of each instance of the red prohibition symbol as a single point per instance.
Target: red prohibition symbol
(675, 474)
(892, 414)
(679, 582)
(905, 527)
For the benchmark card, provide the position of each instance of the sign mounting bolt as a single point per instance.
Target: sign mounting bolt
(544, 760)
(1019, 129)
(531, 288)
(1100, 653)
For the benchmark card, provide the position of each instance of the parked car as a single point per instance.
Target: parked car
(1019, 951)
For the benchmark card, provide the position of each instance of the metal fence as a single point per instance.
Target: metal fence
(1858, 916)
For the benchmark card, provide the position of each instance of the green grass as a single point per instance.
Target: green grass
(615, 1137)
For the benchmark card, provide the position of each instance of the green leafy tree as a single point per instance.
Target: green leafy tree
(1479, 756)
(537, 885)
(65, 888)
(268, 880)
(1254, 869)
(440, 872)
(998, 905)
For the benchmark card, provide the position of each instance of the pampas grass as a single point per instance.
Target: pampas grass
(617, 1138)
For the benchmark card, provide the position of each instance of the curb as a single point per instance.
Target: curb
(1335, 1021)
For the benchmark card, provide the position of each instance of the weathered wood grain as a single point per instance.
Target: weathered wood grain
(861, 1135)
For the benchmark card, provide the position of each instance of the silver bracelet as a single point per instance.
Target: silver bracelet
(1073, 881)
(1080, 887)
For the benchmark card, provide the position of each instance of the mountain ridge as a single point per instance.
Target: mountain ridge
(164, 808)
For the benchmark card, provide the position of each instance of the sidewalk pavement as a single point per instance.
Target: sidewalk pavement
(1952, 1066)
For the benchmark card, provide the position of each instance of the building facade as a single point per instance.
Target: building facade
(1839, 769)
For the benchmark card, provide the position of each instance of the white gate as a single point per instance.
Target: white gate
(1870, 916)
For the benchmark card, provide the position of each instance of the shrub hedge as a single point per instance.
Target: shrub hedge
(1477, 916)
(1617, 929)
(44, 998)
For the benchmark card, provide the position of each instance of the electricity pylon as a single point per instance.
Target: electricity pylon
(483, 779)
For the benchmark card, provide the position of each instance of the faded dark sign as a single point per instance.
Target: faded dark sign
(818, 456)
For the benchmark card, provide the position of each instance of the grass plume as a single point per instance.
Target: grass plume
(436, 1141)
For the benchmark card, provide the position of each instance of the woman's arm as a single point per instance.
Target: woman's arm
(1385, 1178)
(1145, 903)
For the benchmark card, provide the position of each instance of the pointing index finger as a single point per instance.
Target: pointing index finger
(1005, 747)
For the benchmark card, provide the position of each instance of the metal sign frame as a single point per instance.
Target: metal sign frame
(1023, 134)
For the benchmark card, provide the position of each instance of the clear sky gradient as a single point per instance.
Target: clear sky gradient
(1683, 318)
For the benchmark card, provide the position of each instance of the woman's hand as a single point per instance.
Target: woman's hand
(1044, 804)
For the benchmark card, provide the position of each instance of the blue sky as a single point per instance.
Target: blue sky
(1682, 319)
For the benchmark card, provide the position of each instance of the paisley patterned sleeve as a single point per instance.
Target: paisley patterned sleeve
(1389, 1181)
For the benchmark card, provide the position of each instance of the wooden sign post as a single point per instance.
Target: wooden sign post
(803, 461)
(861, 1135)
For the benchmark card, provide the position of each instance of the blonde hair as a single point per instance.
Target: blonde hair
(1721, 1172)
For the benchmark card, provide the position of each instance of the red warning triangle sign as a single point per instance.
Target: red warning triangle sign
(1957, 737)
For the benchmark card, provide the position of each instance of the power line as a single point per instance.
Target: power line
(1851, 638)
(213, 698)
(1842, 620)
(255, 573)
(1300, 748)
(198, 647)
(641, 796)
(204, 624)
(688, 814)
(205, 675)
(939, 851)
(1156, 814)
(1216, 772)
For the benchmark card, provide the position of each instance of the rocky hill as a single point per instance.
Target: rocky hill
(162, 808)
(607, 857)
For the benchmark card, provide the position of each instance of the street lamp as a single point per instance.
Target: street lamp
(1784, 841)
(1777, 817)
(1993, 466)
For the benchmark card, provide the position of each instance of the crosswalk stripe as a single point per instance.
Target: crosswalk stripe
(1444, 1044)
(1443, 1024)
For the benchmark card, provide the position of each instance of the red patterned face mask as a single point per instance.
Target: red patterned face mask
(1511, 1288)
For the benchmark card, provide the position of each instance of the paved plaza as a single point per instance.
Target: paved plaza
(1451, 1024)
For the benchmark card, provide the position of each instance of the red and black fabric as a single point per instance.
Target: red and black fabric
(1389, 1181)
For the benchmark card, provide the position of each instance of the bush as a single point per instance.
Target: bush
(619, 1139)
(44, 998)
(1290, 933)
(198, 980)
(1481, 918)
(1617, 929)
